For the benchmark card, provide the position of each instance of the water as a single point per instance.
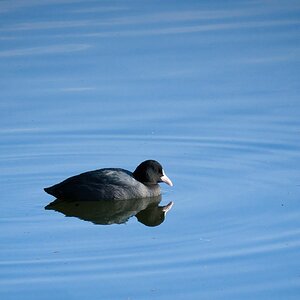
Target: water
(208, 89)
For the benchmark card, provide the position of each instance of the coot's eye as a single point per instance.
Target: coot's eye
(160, 172)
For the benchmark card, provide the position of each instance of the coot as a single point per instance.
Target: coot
(112, 184)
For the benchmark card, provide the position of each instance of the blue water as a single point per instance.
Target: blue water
(209, 89)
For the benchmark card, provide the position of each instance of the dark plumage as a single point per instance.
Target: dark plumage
(112, 184)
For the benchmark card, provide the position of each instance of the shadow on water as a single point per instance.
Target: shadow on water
(103, 212)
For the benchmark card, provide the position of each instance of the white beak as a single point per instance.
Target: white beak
(166, 179)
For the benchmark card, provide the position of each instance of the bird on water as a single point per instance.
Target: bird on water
(113, 183)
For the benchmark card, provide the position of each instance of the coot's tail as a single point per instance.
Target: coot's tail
(50, 190)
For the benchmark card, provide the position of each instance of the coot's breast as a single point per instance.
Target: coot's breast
(103, 184)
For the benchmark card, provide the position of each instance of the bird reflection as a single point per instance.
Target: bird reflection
(147, 210)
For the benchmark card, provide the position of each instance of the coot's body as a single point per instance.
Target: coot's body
(112, 184)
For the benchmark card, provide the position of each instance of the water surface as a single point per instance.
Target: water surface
(208, 89)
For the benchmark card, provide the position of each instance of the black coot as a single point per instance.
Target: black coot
(112, 184)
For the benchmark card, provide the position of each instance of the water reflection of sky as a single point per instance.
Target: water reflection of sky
(210, 89)
(175, 59)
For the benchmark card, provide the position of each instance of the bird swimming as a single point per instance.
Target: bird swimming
(113, 184)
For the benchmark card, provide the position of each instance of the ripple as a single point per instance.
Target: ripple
(234, 222)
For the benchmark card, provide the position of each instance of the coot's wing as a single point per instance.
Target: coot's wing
(93, 185)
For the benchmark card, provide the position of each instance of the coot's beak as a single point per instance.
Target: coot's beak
(166, 208)
(166, 179)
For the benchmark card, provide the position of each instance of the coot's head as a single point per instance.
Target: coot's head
(151, 172)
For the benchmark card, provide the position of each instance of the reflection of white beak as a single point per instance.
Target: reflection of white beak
(167, 207)
(166, 179)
